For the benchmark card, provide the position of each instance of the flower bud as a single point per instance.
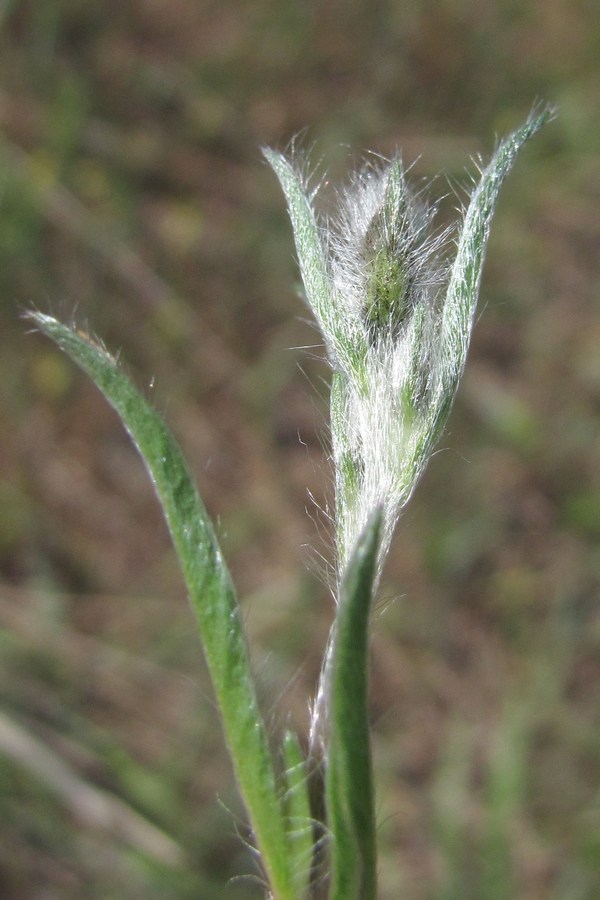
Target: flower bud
(396, 313)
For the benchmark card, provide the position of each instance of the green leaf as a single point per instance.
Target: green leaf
(348, 776)
(297, 809)
(212, 597)
(463, 289)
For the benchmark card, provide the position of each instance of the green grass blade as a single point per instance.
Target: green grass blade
(212, 597)
(348, 778)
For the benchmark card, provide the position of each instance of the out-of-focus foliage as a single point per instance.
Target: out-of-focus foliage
(133, 197)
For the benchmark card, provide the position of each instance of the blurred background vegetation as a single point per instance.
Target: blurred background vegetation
(135, 201)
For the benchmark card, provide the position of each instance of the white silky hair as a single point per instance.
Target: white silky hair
(395, 301)
(379, 432)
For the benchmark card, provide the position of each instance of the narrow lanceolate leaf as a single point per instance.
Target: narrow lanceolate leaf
(348, 776)
(211, 593)
(463, 288)
(297, 811)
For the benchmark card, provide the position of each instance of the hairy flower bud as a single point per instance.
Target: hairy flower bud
(396, 312)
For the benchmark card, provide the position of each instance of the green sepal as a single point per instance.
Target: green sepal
(465, 277)
(345, 337)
